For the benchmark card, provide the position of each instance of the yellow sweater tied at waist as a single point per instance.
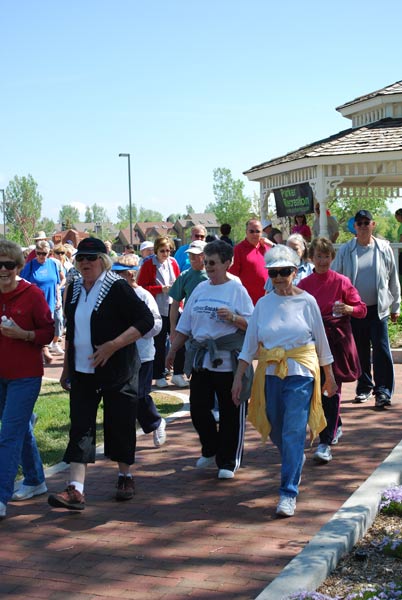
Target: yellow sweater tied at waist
(305, 355)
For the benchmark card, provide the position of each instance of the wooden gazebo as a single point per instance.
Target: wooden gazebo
(365, 159)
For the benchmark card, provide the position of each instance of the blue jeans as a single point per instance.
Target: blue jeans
(17, 441)
(288, 406)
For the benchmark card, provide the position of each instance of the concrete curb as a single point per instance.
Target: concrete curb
(311, 567)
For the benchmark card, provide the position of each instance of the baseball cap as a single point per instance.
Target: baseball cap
(266, 223)
(196, 247)
(146, 245)
(91, 245)
(363, 214)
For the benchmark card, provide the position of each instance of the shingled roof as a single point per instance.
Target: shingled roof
(381, 136)
(394, 88)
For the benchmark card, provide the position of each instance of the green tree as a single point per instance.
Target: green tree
(88, 218)
(147, 215)
(99, 214)
(189, 210)
(343, 208)
(46, 225)
(69, 215)
(123, 215)
(23, 209)
(231, 205)
(174, 217)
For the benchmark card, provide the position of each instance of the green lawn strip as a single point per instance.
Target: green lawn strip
(52, 427)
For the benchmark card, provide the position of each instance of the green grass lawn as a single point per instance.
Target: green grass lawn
(52, 408)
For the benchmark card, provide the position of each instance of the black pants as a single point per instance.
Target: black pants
(226, 439)
(147, 414)
(119, 420)
(160, 342)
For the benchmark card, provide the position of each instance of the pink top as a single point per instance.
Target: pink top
(303, 230)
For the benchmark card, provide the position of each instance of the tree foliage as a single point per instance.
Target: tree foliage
(46, 225)
(23, 209)
(344, 208)
(88, 218)
(99, 214)
(231, 205)
(123, 215)
(68, 216)
(147, 215)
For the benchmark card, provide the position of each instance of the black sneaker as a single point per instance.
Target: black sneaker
(125, 488)
(363, 397)
(382, 400)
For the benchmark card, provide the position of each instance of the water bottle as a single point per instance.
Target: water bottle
(335, 312)
(6, 321)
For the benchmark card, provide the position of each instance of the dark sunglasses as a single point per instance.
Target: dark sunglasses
(282, 272)
(211, 263)
(90, 257)
(8, 264)
(363, 223)
(58, 252)
(254, 230)
(199, 236)
(164, 251)
(41, 253)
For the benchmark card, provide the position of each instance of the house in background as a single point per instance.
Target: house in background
(183, 226)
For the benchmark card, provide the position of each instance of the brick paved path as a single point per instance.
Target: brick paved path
(186, 534)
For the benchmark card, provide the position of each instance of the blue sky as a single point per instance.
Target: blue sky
(183, 86)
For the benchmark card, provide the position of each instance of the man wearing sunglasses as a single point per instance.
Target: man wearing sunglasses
(248, 260)
(198, 232)
(370, 265)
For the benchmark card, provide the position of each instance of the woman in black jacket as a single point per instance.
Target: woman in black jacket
(104, 319)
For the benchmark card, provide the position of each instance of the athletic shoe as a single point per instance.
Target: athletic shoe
(70, 498)
(337, 436)
(206, 462)
(24, 492)
(160, 434)
(125, 488)
(363, 397)
(161, 383)
(2, 510)
(286, 506)
(179, 381)
(225, 474)
(56, 349)
(323, 454)
(382, 400)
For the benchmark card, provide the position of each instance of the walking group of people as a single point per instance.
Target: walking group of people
(307, 338)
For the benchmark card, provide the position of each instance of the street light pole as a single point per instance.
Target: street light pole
(129, 196)
(4, 213)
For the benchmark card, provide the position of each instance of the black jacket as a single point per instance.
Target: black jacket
(117, 308)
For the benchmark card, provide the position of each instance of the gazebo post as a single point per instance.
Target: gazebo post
(320, 195)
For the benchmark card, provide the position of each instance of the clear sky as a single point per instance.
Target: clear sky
(183, 86)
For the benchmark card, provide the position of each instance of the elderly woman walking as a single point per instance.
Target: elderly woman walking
(213, 321)
(104, 319)
(26, 325)
(287, 329)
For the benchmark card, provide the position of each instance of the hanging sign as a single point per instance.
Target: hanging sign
(294, 200)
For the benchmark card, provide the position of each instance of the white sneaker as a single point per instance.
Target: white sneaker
(323, 454)
(24, 492)
(160, 434)
(161, 383)
(206, 462)
(225, 474)
(56, 349)
(337, 436)
(2, 510)
(286, 506)
(179, 381)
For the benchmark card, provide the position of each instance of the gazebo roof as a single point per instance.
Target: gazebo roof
(381, 136)
(394, 88)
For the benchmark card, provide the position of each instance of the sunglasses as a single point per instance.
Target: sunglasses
(164, 251)
(41, 253)
(282, 272)
(199, 236)
(363, 223)
(58, 252)
(211, 263)
(90, 257)
(8, 264)
(254, 230)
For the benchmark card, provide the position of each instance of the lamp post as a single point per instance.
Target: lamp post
(129, 196)
(4, 213)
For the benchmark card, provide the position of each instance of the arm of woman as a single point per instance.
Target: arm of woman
(104, 351)
(351, 303)
(237, 381)
(178, 342)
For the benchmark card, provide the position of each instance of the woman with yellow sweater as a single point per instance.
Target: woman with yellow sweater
(287, 328)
